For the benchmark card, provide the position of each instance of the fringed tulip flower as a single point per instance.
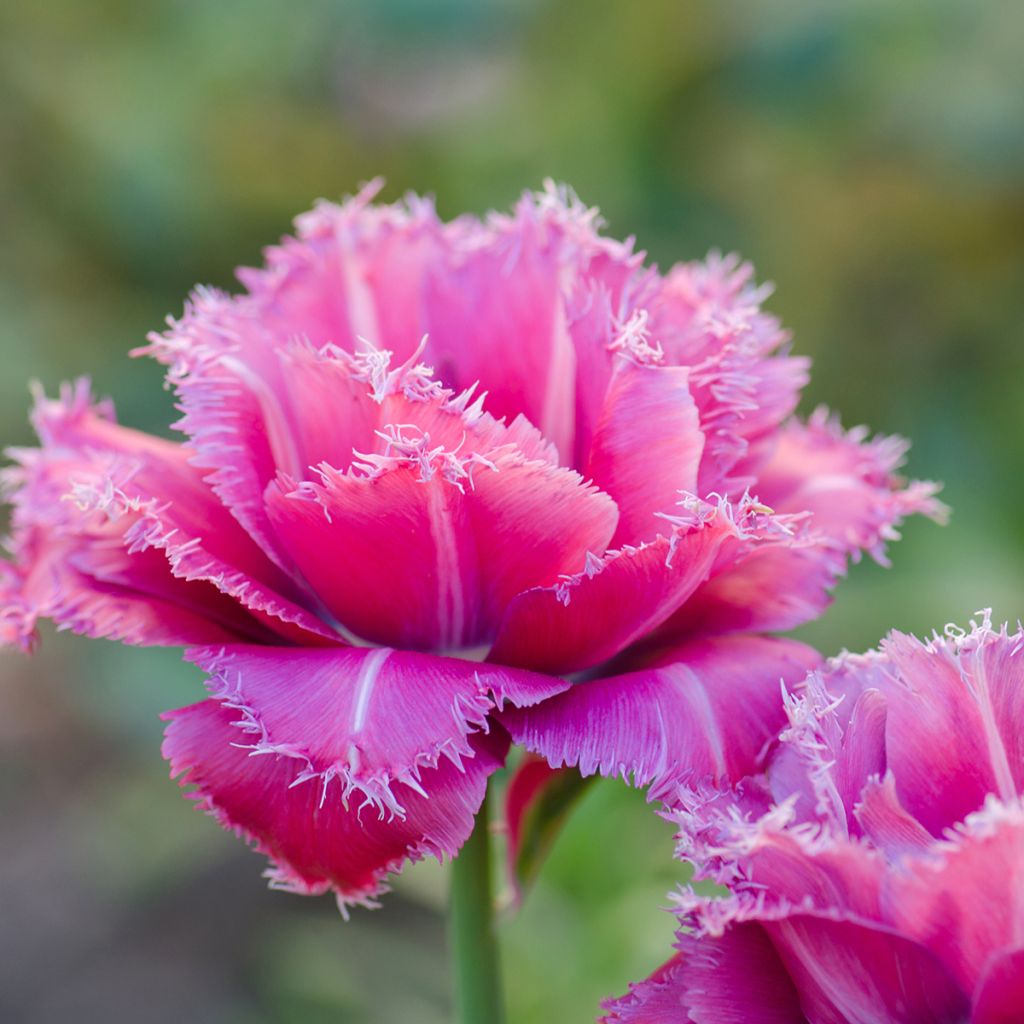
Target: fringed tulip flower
(433, 470)
(876, 869)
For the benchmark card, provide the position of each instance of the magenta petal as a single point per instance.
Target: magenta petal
(734, 978)
(658, 999)
(459, 536)
(168, 612)
(964, 902)
(701, 711)
(316, 840)
(854, 971)
(647, 446)
(737, 978)
(853, 501)
(365, 718)
(593, 615)
(1000, 994)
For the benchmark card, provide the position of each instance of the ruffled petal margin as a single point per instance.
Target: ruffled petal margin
(316, 841)
(342, 764)
(700, 712)
(734, 978)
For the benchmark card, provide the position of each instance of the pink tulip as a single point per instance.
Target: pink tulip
(369, 565)
(876, 868)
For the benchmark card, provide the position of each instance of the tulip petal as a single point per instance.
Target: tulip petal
(363, 718)
(964, 901)
(646, 447)
(948, 716)
(707, 315)
(618, 599)
(735, 978)
(853, 501)
(887, 823)
(107, 518)
(315, 841)
(458, 531)
(701, 711)
(1000, 993)
(848, 971)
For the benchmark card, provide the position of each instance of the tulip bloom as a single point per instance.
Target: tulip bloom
(435, 470)
(875, 867)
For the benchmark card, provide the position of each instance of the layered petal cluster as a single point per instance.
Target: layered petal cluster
(876, 867)
(435, 470)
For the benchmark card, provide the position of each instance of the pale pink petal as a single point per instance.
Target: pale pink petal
(734, 978)
(834, 745)
(354, 271)
(17, 617)
(646, 447)
(150, 607)
(964, 901)
(701, 711)
(223, 363)
(847, 970)
(707, 316)
(846, 482)
(887, 823)
(522, 338)
(767, 590)
(362, 720)
(1000, 993)
(620, 598)
(946, 722)
(315, 840)
(853, 501)
(106, 514)
(502, 302)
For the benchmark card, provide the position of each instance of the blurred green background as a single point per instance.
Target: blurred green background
(868, 157)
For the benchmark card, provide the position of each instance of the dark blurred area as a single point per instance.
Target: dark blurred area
(868, 158)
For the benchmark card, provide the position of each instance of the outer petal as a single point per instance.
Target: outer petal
(647, 446)
(107, 519)
(169, 612)
(1000, 993)
(965, 902)
(701, 711)
(849, 971)
(734, 978)
(314, 840)
(621, 598)
(854, 502)
(769, 590)
(366, 718)
(846, 482)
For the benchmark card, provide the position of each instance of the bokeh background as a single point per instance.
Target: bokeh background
(867, 156)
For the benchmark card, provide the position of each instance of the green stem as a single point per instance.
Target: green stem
(474, 946)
